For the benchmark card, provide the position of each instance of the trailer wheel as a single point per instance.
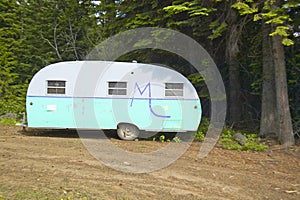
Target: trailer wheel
(127, 131)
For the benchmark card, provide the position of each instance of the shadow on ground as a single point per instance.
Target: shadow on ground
(68, 133)
(99, 134)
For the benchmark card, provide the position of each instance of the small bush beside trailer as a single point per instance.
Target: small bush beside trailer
(128, 97)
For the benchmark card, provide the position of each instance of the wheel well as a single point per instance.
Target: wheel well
(125, 123)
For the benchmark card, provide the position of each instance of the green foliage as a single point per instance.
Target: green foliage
(244, 8)
(277, 20)
(252, 141)
(34, 34)
(162, 138)
(287, 42)
(227, 141)
(11, 90)
(8, 122)
(291, 4)
(175, 9)
(202, 130)
(14, 100)
(192, 8)
(257, 17)
(200, 135)
(218, 30)
(272, 14)
(198, 81)
(280, 30)
(176, 139)
(200, 11)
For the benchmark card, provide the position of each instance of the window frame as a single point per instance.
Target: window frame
(172, 90)
(117, 88)
(56, 86)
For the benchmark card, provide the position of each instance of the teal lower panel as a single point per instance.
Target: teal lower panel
(103, 113)
(50, 112)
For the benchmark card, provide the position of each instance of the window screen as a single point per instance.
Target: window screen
(117, 88)
(56, 87)
(173, 89)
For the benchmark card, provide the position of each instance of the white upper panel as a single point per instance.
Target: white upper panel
(90, 79)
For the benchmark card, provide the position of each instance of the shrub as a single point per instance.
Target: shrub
(252, 142)
(162, 138)
(176, 139)
(8, 122)
(202, 130)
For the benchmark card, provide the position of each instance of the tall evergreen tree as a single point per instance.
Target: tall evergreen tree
(9, 36)
(275, 13)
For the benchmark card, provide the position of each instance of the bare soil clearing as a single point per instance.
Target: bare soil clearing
(56, 165)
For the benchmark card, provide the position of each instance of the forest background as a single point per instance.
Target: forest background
(255, 45)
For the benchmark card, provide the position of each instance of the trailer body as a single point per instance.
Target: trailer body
(103, 95)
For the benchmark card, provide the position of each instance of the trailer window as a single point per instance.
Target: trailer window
(173, 89)
(117, 88)
(56, 87)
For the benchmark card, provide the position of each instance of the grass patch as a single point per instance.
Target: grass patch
(8, 122)
(29, 193)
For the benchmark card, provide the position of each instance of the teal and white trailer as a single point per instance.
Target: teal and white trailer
(125, 96)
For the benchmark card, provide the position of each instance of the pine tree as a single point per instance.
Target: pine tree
(9, 35)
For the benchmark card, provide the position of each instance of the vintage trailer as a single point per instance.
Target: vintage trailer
(125, 96)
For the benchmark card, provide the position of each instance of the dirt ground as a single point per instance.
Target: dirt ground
(56, 165)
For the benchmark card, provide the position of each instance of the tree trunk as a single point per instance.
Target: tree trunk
(285, 131)
(269, 120)
(232, 50)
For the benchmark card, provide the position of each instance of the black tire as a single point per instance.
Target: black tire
(128, 131)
